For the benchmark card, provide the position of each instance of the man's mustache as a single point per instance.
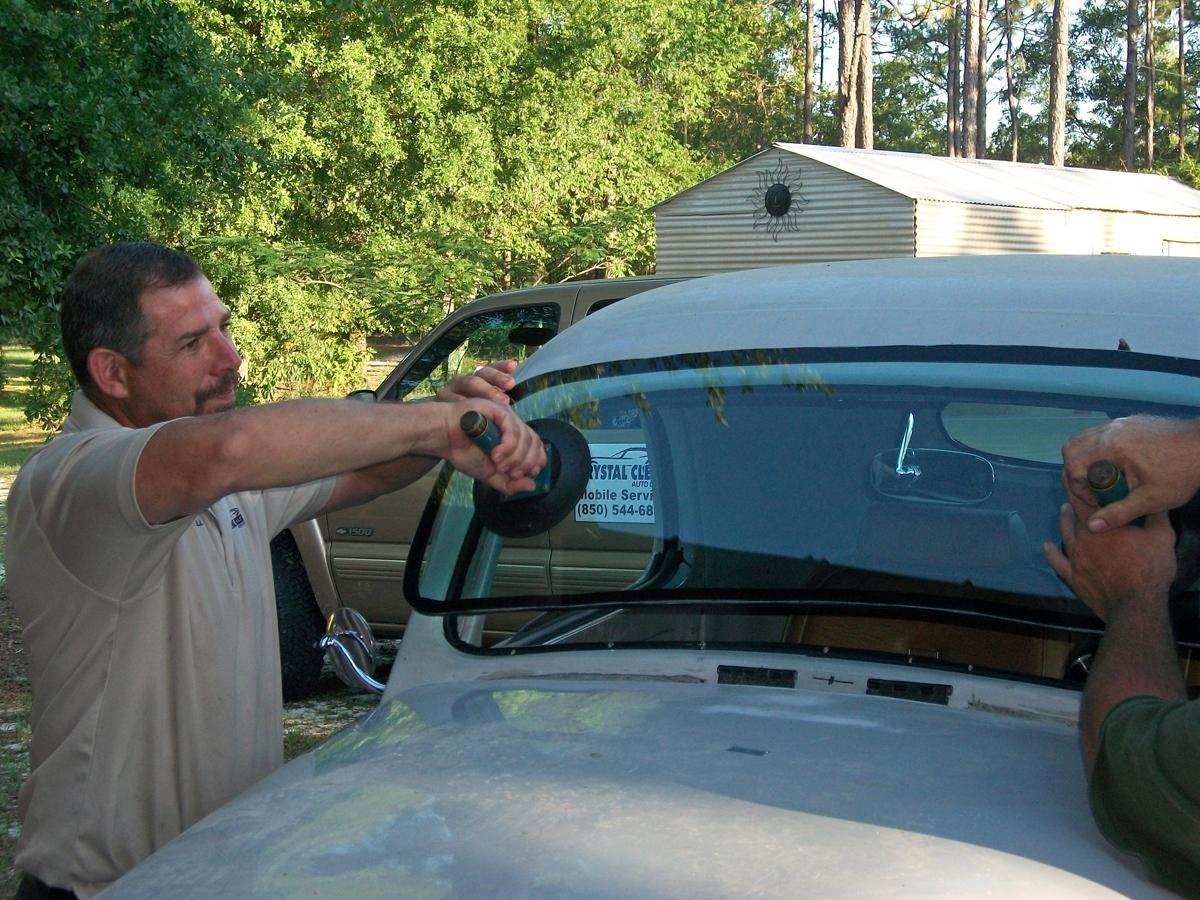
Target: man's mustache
(228, 382)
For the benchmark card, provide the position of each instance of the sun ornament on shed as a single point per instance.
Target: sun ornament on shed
(777, 200)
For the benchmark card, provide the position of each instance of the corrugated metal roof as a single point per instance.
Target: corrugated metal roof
(998, 183)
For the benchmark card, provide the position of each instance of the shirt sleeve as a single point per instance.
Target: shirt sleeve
(1145, 788)
(285, 506)
(82, 487)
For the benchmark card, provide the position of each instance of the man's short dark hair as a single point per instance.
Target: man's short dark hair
(101, 302)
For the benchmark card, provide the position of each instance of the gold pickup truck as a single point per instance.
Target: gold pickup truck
(356, 557)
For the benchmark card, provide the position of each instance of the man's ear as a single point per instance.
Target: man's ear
(108, 369)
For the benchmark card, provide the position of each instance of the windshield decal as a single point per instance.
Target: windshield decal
(620, 488)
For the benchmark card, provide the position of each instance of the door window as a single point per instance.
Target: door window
(487, 337)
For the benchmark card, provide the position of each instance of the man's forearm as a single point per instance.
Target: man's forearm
(190, 463)
(1136, 657)
(366, 484)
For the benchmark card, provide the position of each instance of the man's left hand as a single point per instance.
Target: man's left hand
(1108, 570)
(489, 382)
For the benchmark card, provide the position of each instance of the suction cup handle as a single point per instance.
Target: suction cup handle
(1108, 484)
(480, 429)
(484, 433)
(560, 485)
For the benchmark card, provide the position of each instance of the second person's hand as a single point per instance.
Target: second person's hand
(1160, 458)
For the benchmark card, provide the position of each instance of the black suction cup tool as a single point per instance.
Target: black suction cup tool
(569, 463)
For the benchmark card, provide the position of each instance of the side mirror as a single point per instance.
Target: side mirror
(350, 648)
(364, 395)
(532, 334)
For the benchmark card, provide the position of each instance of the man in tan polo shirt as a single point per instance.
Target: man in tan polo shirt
(139, 563)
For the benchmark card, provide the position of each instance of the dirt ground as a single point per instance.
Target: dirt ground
(14, 738)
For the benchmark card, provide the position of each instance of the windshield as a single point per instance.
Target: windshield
(772, 497)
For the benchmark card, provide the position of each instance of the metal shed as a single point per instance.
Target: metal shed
(806, 203)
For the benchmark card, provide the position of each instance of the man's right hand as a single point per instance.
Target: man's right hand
(1160, 458)
(512, 464)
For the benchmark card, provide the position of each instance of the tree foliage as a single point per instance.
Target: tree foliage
(93, 148)
(1098, 85)
(342, 167)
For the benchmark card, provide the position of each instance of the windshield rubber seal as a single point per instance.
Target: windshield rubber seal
(714, 598)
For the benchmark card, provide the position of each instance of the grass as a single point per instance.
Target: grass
(18, 439)
(307, 723)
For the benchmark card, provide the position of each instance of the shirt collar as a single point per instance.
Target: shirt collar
(86, 416)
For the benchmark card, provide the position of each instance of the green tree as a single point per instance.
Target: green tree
(466, 146)
(1029, 85)
(117, 122)
(339, 167)
(1098, 84)
(911, 81)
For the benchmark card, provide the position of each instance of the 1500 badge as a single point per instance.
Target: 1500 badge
(355, 532)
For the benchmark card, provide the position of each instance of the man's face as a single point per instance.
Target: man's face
(189, 363)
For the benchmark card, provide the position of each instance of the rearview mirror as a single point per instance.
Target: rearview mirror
(933, 476)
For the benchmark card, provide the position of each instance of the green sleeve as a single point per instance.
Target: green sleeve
(1145, 789)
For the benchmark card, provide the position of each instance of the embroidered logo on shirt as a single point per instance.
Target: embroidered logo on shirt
(235, 517)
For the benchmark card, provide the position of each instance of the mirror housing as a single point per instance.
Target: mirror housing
(350, 648)
(933, 476)
(532, 334)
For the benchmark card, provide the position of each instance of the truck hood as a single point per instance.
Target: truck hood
(609, 787)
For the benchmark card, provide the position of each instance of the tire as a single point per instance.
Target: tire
(300, 621)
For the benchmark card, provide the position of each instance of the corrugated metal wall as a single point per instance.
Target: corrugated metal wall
(961, 229)
(722, 224)
(1141, 234)
(954, 229)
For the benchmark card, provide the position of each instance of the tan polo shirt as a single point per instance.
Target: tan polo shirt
(153, 652)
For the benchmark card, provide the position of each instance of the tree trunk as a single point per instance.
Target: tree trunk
(970, 116)
(865, 127)
(847, 87)
(1014, 122)
(953, 52)
(1149, 37)
(796, 66)
(807, 112)
(1058, 87)
(1182, 85)
(981, 90)
(1129, 108)
(821, 61)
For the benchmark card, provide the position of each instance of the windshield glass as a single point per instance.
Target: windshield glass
(749, 488)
